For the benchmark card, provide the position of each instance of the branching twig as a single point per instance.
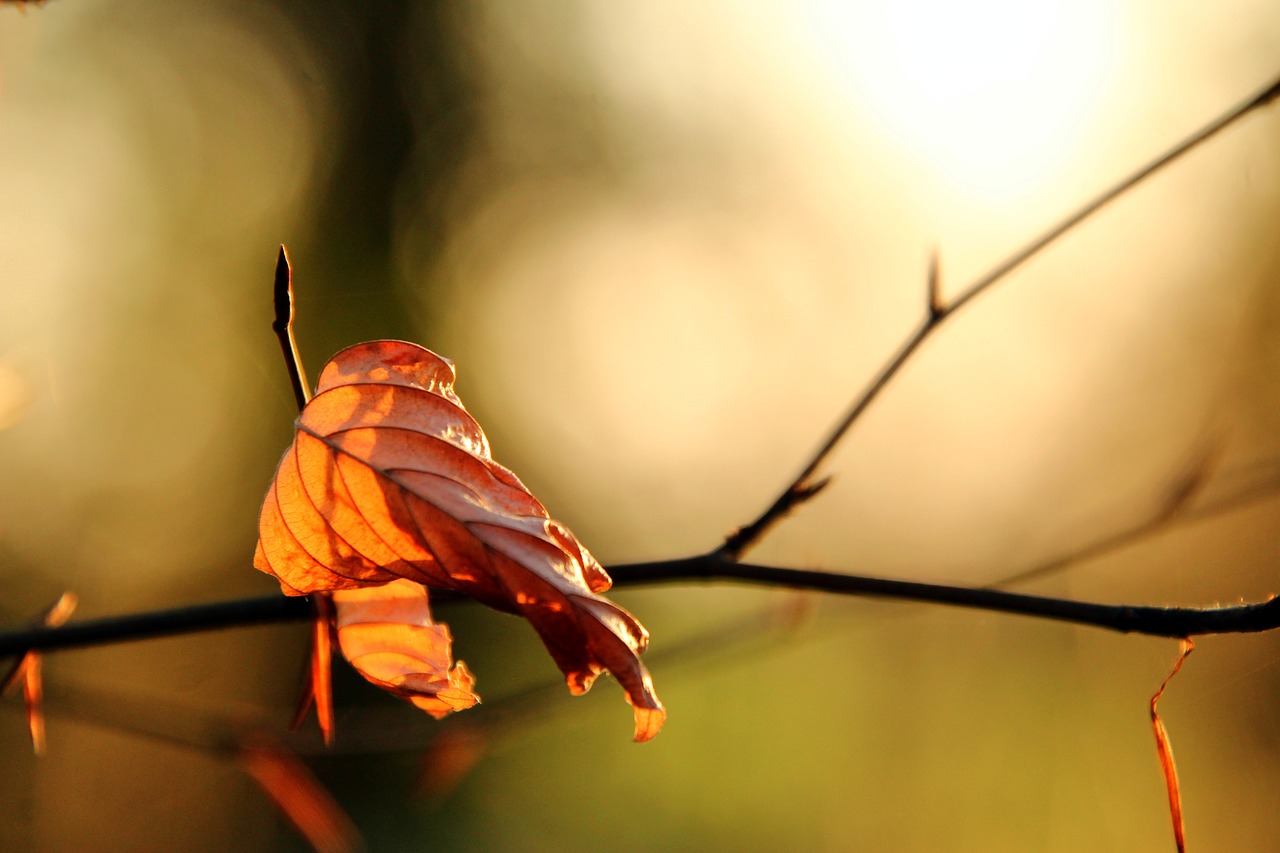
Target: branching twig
(802, 487)
(723, 564)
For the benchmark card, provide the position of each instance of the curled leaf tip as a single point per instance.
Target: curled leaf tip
(648, 722)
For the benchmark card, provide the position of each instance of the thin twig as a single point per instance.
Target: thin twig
(801, 489)
(283, 327)
(722, 565)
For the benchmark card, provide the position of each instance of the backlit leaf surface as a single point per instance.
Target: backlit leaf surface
(389, 478)
(387, 634)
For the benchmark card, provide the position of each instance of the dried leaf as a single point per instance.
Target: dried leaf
(389, 477)
(33, 694)
(300, 796)
(1165, 752)
(387, 634)
(29, 670)
(319, 681)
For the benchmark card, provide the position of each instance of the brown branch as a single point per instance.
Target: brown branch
(722, 564)
(1175, 510)
(1152, 621)
(159, 623)
(277, 608)
(802, 487)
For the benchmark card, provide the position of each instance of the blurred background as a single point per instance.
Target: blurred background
(666, 243)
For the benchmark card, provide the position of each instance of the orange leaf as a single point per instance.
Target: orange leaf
(300, 796)
(29, 670)
(389, 477)
(387, 634)
(1164, 750)
(319, 684)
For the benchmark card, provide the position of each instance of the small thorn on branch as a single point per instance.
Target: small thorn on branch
(937, 306)
(736, 544)
(803, 491)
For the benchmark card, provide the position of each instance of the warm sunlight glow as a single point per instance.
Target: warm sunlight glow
(990, 93)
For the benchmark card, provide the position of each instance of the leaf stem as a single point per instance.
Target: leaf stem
(1164, 750)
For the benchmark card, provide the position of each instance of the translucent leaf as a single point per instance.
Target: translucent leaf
(390, 478)
(387, 634)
